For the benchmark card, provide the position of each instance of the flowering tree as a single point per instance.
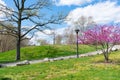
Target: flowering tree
(106, 36)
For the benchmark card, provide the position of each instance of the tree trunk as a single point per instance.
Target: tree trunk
(106, 54)
(106, 57)
(18, 50)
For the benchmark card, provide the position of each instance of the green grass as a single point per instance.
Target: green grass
(40, 52)
(87, 68)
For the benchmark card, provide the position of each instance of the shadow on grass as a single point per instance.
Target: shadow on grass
(5, 79)
(6, 61)
(111, 61)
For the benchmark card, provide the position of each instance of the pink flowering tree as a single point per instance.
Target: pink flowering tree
(106, 36)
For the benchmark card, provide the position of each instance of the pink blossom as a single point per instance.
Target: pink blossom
(106, 36)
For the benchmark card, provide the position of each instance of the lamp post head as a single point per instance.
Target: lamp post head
(77, 30)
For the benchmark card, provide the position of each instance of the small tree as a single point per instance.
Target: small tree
(106, 36)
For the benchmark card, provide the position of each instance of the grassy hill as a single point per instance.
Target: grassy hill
(40, 52)
(87, 68)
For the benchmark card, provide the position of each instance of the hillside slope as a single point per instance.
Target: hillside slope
(40, 52)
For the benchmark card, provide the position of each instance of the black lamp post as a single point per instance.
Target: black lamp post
(77, 30)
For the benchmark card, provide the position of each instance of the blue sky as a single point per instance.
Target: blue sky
(102, 11)
(54, 9)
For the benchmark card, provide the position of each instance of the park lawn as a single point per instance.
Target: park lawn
(85, 68)
(48, 51)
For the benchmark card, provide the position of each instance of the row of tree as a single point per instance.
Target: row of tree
(69, 36)
(8, 42)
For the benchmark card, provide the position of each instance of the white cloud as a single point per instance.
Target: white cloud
(103, 12)
(70, 2)
(3, 3)
(60, 31)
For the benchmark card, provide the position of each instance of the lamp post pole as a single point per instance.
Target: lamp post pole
(77, 30)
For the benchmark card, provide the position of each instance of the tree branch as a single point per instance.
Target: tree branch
(17, 4)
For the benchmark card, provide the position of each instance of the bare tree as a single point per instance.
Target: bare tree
(25, 42)
(53, 33)
(43, 42)
(58, 39)
(69, 36)
(7, 42)
(84, 23)
(24, 12)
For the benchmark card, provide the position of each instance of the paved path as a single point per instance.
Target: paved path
(25, 62)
